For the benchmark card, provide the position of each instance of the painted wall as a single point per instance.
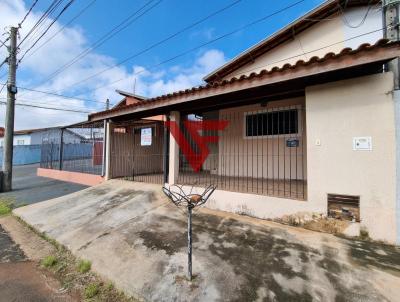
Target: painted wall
(18, 139)
(24, 155)
(337, 112)
(262, 157)
(326, 36)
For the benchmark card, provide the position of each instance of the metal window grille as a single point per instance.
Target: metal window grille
(260, 152)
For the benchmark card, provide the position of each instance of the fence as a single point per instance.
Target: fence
(261, 151)
(77, 148)
(24, 154)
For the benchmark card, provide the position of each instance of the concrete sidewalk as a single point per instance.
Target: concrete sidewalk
(136, 238)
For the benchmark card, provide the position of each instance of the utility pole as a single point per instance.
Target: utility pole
(10, 111)
(107, 104)
(390, 16)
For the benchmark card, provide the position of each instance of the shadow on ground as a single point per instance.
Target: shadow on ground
(134, 237)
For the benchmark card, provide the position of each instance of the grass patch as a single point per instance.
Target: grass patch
(6, 206)
(49, 261)
(91, 290)
(84, 266)
(75, 275)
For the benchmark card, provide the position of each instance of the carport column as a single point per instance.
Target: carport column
(173, 152)
(108, 134)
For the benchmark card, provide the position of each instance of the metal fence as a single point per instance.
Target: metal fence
(77, 148)
(131, 157)
(261, 151)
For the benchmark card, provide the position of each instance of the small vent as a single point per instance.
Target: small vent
(345, 207)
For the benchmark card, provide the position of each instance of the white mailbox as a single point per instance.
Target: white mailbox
(363, 143)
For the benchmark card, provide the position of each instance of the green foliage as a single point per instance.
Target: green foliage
(91, 290)
(6, 206)
(84, 266)
(49, 261)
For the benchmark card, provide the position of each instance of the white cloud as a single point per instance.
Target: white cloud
(65, 46)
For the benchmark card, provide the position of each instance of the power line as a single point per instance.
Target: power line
(58, 95)
(49, 108)
(62, 28)
(35, 102)
(121, 26)
(27, 14)
(48, 11)
(47, 29)
(169, 38)
(189, 50)
(309, 52)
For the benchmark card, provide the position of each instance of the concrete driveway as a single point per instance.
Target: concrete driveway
(29, 188)
(136, 238)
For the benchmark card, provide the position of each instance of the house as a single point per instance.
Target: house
(311, 115)
(37, 136)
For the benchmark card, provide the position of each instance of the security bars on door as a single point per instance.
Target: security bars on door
(137, 151)
(261, 151)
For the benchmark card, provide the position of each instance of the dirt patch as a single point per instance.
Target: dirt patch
(23, 281)
(35, 247)
(9, 250)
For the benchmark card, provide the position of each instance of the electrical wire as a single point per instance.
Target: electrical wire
(53, 6)
(62, 28)
(115, 30)
(190, 50)
(34, 102)
(346, 21)
(49, 108)
(27, 14)
(60, 95)
(47, 29)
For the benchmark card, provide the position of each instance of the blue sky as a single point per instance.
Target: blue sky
(166, 18)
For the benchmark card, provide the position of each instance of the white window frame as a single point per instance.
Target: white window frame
(299, 109)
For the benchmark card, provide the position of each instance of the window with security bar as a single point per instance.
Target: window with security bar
(271, 123)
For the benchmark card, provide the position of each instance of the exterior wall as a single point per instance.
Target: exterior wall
(24, 154)
(261, 157)
(19, 137)
(318, 40)
(337, 112)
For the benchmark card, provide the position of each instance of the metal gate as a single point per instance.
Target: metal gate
(135, 157)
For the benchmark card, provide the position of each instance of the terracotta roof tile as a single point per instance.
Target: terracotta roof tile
(262, 73)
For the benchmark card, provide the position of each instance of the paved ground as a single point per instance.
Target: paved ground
(30, 188)
(136, 238)
(21, 280)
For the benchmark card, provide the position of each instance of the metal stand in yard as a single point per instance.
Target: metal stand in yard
(177, 195)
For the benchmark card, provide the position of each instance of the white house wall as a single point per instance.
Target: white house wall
(330, 35)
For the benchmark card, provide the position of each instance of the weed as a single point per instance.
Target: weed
(6, 206)
(110, 286)
(84, 266)
(91, 290)
(49, 261)
(364, 235)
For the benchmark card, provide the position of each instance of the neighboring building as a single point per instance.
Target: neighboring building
(311, 111)
(37, 136)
